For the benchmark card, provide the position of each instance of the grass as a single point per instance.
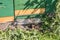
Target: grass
(19, 34)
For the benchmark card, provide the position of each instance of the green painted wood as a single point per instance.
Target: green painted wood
(6, 8)
(29, 4)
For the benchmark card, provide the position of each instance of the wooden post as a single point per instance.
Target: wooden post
(14, 9)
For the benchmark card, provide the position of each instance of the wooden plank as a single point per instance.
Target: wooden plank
(29, 11)
(6, 19)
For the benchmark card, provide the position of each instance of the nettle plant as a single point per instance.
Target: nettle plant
(49, 18)
(58, 17)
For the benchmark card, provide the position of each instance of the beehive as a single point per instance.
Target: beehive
(23, 8)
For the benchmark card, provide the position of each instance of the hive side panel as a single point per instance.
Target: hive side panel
(6, 8)
(29, 7)
(6, 11)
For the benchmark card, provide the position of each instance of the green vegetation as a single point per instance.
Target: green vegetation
(19, 34)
